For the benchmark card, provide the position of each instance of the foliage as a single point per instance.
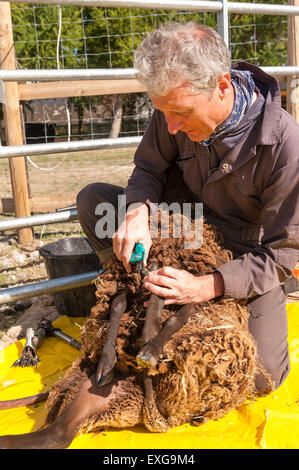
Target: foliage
(260, 39)
(35, 30)
(96, 37)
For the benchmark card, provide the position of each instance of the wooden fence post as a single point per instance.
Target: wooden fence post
(13, 124)
(293, 59)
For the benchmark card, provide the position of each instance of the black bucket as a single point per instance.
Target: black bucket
(67, 257)
(291, 285)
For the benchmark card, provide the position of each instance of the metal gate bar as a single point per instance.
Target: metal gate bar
(13, 294)
(41, 219)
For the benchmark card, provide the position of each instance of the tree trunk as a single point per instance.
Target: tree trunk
(80, 111)
(118, 112)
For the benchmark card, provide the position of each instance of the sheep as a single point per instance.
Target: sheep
(205, 368)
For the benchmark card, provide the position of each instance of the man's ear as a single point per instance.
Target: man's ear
(224, 85)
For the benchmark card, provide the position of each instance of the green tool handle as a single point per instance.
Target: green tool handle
(137, 254)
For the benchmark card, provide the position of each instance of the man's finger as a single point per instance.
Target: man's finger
(159, 290)
(117, 247)
(169, 271)
(171, 301)
(147, 243)
(127, 253)
(158, 279)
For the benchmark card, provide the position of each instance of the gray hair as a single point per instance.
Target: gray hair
(177, 53)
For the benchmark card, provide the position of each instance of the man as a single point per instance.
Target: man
(237, 151)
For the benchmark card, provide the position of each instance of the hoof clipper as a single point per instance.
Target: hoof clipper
(137, 258)
(29, 357)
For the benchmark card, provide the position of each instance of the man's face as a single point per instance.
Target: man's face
(196, 115)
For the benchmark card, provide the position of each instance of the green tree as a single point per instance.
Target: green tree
(96, 37)
(36, 29)
(259, 39)
(90, 38)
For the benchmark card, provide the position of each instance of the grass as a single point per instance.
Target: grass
(75, 170)
(3, 279)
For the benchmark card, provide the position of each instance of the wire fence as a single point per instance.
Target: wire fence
(54, 37)
(94, 37)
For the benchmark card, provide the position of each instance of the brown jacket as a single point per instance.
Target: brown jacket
(252, 196)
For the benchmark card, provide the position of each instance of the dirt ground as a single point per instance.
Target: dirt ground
(21, 265)
(61, 174)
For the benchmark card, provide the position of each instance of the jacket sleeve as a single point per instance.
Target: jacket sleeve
(272, 262)
(153, 157)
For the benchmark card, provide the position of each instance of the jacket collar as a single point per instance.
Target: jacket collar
(265, 131)
(269, 123)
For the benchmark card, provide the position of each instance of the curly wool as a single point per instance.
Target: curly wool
(205, 370)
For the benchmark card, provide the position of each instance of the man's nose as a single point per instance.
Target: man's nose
(174, 123)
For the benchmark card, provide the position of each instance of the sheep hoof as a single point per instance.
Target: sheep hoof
(146, 360)
(105, 379)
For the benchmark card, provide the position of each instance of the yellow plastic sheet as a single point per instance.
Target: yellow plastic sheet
(271, 422)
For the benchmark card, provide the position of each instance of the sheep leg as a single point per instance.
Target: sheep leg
(90, 401)
(153, 318)
(108, 356)
(26, 401)
(152, 350)
(151, 328)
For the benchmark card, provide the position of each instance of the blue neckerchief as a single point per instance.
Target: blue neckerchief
(244, 87)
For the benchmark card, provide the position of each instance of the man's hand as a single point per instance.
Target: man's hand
(134, 229)
(181, 287)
